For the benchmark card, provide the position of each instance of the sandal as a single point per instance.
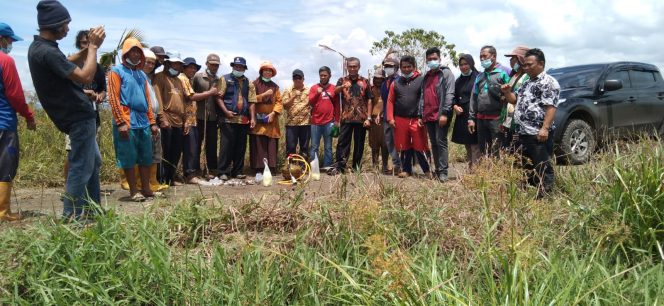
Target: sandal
(138, 197)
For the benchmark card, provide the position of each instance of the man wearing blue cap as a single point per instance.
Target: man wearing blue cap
(235, 94)
(12, 101)
(57, 82)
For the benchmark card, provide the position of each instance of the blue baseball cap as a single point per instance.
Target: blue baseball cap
(6, 31)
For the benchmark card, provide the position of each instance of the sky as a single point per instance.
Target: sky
(288, 33)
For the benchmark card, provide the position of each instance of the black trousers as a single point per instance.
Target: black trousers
(211, 132)
(171, 143)
(488, 137)
(298, 135)
(233, 148)
(347, 132)
(537, 161)
(192, 155)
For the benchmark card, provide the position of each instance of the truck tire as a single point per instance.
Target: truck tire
(578, 142)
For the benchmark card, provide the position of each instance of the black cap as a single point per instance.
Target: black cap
(298, 72)
(191, 61)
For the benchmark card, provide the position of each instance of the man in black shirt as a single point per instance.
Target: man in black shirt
(57, 83)
(96, 90)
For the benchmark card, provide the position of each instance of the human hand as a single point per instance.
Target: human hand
(165, 125)
(392, 123)
(213, 91)
(319, 90)
(377, 120)
(96, 37)
(229, 114)
(471, 126)
(269, 92)
(543, 135)
(252, 123)
(123, 129)
(154, 129)
(420, 123)
(367, 123)
(458, 110)
(270, 117)
(185, 130)
(506, 88)
(442, 121)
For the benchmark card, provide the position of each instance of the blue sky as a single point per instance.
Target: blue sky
(288, 32)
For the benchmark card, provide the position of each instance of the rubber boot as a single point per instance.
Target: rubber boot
(154, 183)
(123, 179)
(5, 211)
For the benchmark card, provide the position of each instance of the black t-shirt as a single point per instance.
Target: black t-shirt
(62, 99)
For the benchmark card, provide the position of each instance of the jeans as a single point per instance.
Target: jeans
(537, 161)
(298, 135)
(439, 148)
(82, 185)
(211, 133)
(348, 132)
(488, 137)
(407, 161)
(318, 131)
(389, 142)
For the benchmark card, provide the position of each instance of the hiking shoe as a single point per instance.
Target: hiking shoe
(443, 178)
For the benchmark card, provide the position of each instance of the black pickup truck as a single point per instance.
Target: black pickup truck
(602, 101)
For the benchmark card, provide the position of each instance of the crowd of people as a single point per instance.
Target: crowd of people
(165, 110)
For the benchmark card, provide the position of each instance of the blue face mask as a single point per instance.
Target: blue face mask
(408, 76)
(7, 49)
(486, 63)
(433, 64)
(516, 67)
(173, 72)
(266, 79)
(237, 74)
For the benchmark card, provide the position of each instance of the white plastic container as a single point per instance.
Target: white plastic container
(267, 175)
(315, 168)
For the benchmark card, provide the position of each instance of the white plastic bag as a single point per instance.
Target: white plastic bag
(267, 175)
(315, 168)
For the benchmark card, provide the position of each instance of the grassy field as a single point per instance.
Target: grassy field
(480, 240)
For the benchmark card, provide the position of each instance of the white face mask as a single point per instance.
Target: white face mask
(173, 72)
(389, 71)
(130, 62)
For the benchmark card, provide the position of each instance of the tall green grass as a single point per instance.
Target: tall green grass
(596, 241)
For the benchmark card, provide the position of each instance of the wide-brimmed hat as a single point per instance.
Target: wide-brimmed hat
(174, 59)
(267, 65)
(379, 73)
(239, 61)
(158, 50)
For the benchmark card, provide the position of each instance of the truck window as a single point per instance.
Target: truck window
(642, 79)
(622, 75)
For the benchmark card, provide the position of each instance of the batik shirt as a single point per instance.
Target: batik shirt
(532, 98)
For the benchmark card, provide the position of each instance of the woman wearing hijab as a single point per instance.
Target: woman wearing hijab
(462, 91)
(264, 136)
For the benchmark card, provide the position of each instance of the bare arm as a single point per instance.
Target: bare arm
(86, 74)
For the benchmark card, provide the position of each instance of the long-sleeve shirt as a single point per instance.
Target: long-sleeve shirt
(12, 99)
(129, 97)
(266, 104)
(324, 108)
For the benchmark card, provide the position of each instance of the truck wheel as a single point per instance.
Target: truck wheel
(578, 142)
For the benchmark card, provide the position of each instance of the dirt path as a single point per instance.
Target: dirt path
(37, 203)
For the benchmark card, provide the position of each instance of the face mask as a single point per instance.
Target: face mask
(516, 67)
(173, 72)
(408, 76)
(470, 71)
(266, 79)
(238, 74)
(132, 63)
(210, 72)
(433, 64)
(7, 49)
(486, 63)
(389, 71)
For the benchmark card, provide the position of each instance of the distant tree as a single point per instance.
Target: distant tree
(108, 59)
(415, 42)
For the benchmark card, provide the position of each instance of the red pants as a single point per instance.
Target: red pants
(408, 135)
